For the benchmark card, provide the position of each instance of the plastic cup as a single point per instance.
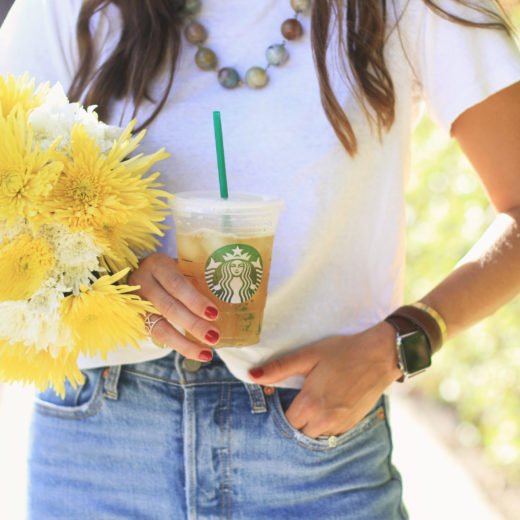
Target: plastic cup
(224, 249)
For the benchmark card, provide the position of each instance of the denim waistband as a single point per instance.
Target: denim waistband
(174, 368)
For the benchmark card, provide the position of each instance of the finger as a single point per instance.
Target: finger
(164, 334)
(319, 424)
(300, 362)
(175, 312)
(298, 413)
(313, 430)
(167, 274)
(296, 421)
(306, 415)
(329, 424)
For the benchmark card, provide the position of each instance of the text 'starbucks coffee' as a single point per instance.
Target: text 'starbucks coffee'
(224, 248)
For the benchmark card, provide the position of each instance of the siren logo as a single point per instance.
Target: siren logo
(234, 273)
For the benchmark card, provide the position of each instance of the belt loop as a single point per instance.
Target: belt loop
(257, 397)
(111, 375)
(178, 367)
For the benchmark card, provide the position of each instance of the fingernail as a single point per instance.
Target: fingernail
(256, 372)
(211, 312)
(206, 355)
(212, 336)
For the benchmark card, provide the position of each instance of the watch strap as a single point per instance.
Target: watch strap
(401, 326)
(422, 319)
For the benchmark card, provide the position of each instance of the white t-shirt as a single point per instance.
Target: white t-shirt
(338, 259)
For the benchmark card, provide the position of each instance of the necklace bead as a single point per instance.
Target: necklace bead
(300, 6)
(195, 33)
(276, 54)
(256, 77)
(292, 29)
(228, 77)
(192, 6)
(206, 59)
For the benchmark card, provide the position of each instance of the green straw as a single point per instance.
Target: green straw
(222, 179)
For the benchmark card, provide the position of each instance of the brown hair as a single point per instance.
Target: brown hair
(150, 43)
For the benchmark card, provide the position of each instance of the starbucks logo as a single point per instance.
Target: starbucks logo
(234, 272)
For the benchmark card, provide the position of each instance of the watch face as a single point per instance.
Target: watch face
(416, 351)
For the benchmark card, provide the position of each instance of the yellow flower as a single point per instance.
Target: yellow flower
(109, 196)
(24, 264)
(105, 316)
(101, 319)
(19, 363)
(27, 174)
(20, 91)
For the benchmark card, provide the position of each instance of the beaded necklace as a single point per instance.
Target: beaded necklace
(228, 77)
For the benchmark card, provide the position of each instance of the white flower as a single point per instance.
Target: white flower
(15, 321)
(45, 301)
(36, 323)
(56, 117)
(77, 257)
(77, 249)
(21, 325)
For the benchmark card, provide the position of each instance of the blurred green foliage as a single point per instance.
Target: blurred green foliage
(477, 373)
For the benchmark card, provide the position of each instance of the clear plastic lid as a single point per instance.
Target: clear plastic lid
(209, 202)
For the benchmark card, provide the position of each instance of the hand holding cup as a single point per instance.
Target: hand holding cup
(180, 304)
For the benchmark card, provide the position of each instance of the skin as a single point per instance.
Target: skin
(162, 283)
(344, 376)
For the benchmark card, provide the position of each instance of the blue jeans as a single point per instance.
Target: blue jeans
(166, 439)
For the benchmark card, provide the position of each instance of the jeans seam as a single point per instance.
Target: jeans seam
(76, 415)
(289, 434)
(277, 415)
(91, 408)
(230, 467)
(179, 384)
(222, 455)
(391, 470)
(226, 502)
(190, 455)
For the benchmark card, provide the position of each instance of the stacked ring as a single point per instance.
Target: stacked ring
(150, 321)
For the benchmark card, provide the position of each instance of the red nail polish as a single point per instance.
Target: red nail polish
(206, 355)
(212, 336)
(256, 372)
(211, 312)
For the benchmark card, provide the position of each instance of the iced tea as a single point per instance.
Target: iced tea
(233, 271)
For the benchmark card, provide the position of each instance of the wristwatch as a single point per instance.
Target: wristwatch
(413, 347)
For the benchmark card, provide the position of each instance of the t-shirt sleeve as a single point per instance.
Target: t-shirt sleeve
(39, 37)
(460, 66)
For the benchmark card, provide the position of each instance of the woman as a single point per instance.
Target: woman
(296, 426)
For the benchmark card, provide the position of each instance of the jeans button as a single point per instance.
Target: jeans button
(268, 390)
(191, 365)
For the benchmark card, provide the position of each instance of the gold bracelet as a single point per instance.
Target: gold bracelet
(436, 316)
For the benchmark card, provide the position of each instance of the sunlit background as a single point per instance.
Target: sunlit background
(476, 377)
(457, 427)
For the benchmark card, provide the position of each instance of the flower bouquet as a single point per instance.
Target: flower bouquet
(77, 211)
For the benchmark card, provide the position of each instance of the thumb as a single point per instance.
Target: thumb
(300, 362)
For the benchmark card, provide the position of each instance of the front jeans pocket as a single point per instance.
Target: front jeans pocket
(283, 397)
(83, 401)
